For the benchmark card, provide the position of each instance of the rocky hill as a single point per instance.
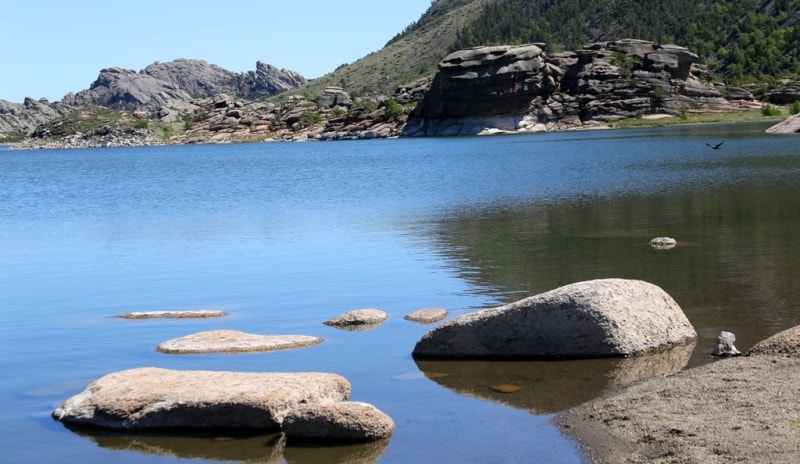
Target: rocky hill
(524, 88)
(191, 101)
(166, 91)
(480, 90)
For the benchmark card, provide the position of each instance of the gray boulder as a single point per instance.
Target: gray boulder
(725, 345)
(153, 398)
(337, 422)
(597, 318)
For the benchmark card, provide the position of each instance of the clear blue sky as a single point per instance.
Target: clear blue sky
(51, 47)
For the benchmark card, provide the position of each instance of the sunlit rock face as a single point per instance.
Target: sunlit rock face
(525, 88)
(597, 318)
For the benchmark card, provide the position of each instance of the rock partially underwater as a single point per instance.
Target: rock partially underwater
(597, 318)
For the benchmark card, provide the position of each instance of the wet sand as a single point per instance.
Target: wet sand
(743, 409)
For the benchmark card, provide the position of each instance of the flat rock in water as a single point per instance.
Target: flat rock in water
(338, 422)
(663, 243)
(151, 398)
(193, 314)
(782, 343)
(358, 319)
(597, 318)
(426, 315)
(232, 341)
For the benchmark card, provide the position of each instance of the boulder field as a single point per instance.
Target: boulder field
(597, 318)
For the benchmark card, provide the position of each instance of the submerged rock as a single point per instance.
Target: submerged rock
(232, 341)
(338, 422)
(195, 313)
(597, 318)
(359, 319)
(152, 398)
(426, 315)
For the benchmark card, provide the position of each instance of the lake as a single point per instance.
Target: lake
(284, 236)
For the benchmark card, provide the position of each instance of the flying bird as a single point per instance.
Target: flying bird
(716, 147)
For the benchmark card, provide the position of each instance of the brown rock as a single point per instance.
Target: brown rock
(152, 398)
(197, 313)
(358, 318)
(232, 341)
(338, 422)
(427, 315)
(782, 343)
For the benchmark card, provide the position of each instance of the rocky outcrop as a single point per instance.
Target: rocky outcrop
(152, 398)
(174, 85)
(789, 125)
(598, 318)
(337, 422)
(359, 319)
(233, 341)
(786, 93)
(524, 88)
(166, 91)
(20, 119)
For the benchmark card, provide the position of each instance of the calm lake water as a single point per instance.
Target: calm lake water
(285, 236)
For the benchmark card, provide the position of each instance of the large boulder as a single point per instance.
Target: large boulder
(346, 421)
(153, 398)
(597, 318)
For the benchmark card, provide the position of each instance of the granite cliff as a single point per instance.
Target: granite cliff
(480, 90)
(165, 90)
(525, 88)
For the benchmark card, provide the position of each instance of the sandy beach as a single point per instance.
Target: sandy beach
(742, 409)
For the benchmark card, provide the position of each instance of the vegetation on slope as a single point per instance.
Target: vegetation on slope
(743, 41)
(412, 54)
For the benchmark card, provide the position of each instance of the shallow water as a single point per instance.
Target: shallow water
(285, 236)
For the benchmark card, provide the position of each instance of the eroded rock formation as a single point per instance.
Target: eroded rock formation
(524, 88)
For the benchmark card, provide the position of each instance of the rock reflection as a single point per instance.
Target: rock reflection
(547, 387)
(344, 454)
(252, 448)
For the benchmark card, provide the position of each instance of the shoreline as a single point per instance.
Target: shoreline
(741, 409)
(146, 139)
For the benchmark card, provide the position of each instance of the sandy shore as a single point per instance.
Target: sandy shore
(744, 409)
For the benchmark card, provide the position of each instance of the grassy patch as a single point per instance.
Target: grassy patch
(688, 118)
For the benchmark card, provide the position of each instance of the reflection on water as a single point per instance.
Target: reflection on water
(284, 235)
(735, 266)
(547, 387)
(267, 449)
